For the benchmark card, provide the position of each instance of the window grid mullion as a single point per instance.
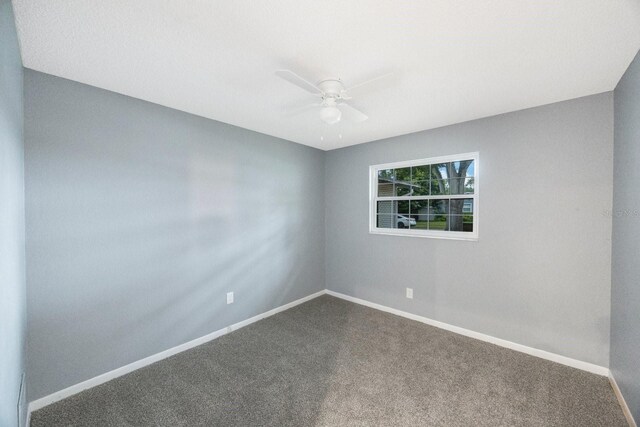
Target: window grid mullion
(442, 196)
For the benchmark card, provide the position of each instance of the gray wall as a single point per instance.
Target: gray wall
(139, 220)
(12, 283)
(540, 273)
(625, 282)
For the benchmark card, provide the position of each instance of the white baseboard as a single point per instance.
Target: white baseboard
(100, 379)
(574, 363)
(623, 403)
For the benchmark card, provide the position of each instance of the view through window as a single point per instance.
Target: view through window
(435, 197)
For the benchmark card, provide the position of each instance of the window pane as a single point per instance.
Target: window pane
(403, 207)
(456, 185)
(439, 207)
(420, 188)
(471, 170)
(469, 186)
(461, 223)
(404, 221)
(385, 174)
(402, 182)
(455, 222)
(467, 222)
(419, 207)
(385, 189)
(439, 187)
(467, 207)
(385, 221)
(462, 169)
(455, 206)
(402, 188)
(438, 222)
(461, 206)
(395, 221)
(385, 182)
(403, 174)
(386, 207)
(420, 212)
(440, 171)
(420, 173)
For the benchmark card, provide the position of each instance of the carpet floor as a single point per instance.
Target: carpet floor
(329, 362)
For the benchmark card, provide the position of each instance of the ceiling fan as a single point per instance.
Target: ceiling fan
(333, 96)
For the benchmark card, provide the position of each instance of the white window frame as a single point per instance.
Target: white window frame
(434, 234)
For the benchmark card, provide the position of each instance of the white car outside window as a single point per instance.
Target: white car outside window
(405, 222)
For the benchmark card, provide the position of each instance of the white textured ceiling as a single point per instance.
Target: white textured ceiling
(453, 60)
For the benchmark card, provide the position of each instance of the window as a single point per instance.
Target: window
(435, 197)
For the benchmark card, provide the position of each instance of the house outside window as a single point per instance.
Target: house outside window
(435, 197)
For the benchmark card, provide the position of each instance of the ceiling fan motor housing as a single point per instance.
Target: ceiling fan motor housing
(331, 88)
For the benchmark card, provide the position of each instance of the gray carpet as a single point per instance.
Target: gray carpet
(329, 362)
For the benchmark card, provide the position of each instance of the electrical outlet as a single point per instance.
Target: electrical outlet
(410, 293)
(229, 297)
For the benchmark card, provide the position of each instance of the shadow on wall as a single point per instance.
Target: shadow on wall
(135, 244)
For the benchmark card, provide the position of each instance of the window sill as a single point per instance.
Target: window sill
(449, 235)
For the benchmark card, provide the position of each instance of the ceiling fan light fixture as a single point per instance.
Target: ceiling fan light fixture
(330, 115)
(333, 94)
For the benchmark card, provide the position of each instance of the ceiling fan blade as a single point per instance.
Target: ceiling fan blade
(295, 79)
(300, 110)
(352, 114)
(379, 79)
